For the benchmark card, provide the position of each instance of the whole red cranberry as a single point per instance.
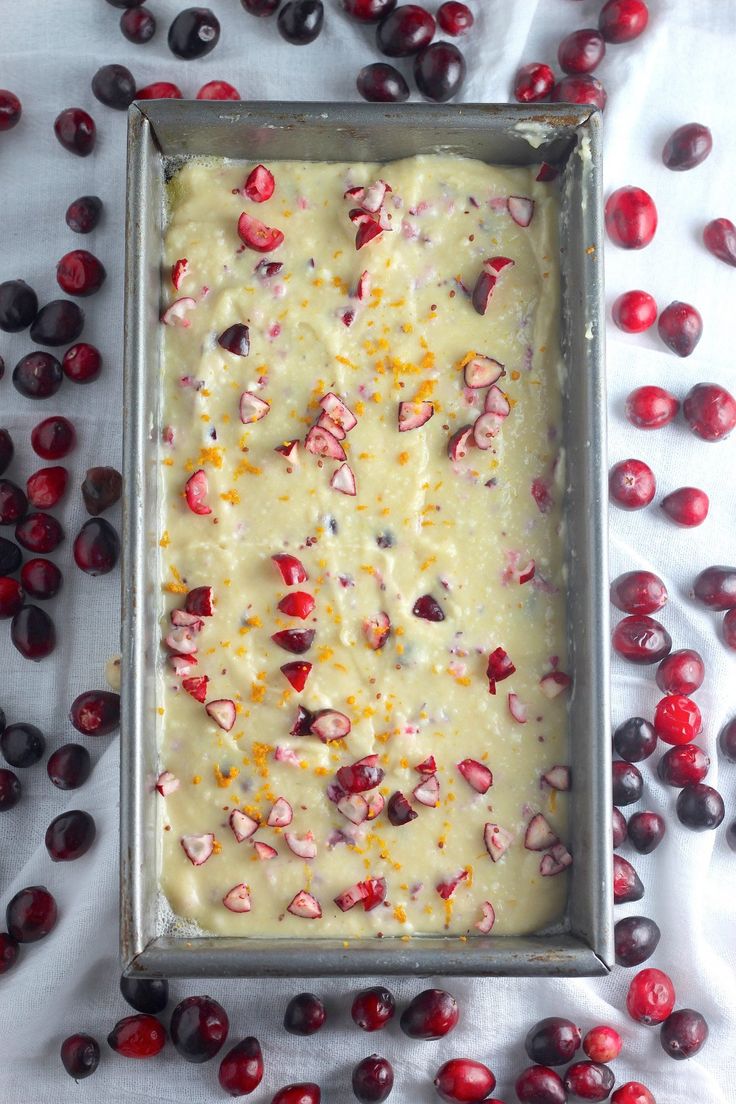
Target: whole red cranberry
(199, 1027)
(80, 273)
(22, 744)
(439, 71)
(651, 407)
(641, 639)
(683, 1033)
(59, 322)
(80, 1055)
(10, 110)
(432, 1014)
(628, 783)
(382, 83)
(138, 25)
(630, 217)
(96, 547)
(623, 20)
(455, 18)
(373, 1008)
(627, 885)
(633, 1092)
(138, 1036)
(241, 1070)
(680, 326)
(31, 914)
(76, 131)
(683, 765)
(583, 89)
(300, 21)
(687, 506)
(677, 719)
(463, 1080)
(95, 712)
(10, 791)
(540, 1085)
(635, 940)
(305, 1092)
(687, 147)
(618, 821)
(70, 835)
(193, 33)
(39, 532)
(10, 554)
(589, 1080)
(581, 51)
(149, 995)
(602, 1043)
(700, 807)
(634, 312)
(83, 214)
(260, 7)
(305, 1014)
(635, 740)
(218, 90)
(69, 767)
(8, 952)
(18, 305)
(33, 633)
(727, 740)
(114, 86)
(13, 503)
(367, 11)
(646, 831)
(41, 578)
(46, 487)
(37, 375)
(638, 592)
(53, 438)
(82, 363)
(404, 31)
(631, 484)
(11, 597)
(681, 672)
(651, 997)
(533, 82)
(719, 238)
(373, 1080)
(710, 411)
(159, 90)
(716, 587)
(552, 1041)
(728, 627)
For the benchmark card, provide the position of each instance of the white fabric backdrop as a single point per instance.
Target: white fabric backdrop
(680, 71)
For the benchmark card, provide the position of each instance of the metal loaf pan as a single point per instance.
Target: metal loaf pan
(163, 133)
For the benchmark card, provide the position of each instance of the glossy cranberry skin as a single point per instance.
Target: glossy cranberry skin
(159, 90)
(114, 86)
(651, 997)
(69, 768)
(710, 411)
(138, 25)
(8, 952)
(80, 1055)
(641, 639)
(404, 31)
(10, 110)
(651, 407)
(80, 273)
(715, 587)
(41, 578)
(70, 835)
(630, 217)
(373, 1008)
(584, 89)
(463, 1079)
(683, 765)
(301, 21)
(680, 327)
(700, 807)
(260, 7)
(199, 1027)
(382, 83)
(76, 131)
(677, 719)
(18, 305)
(728, 629)
(31, 914)
(46, 487)
(719, 238)
(10, 554)
(13, 503)
(139, 1036)
(367, 11)
(634, 311)
(635, 940)
(33, 633)
(432, 1014)
(149, 995)
(627, 885)
(638, 592)
(553, 1041)
(97, 547)
(618, 821)
(589, 1081)
(428, 609)
(305, 1014)
(218, 90)
(241, 1070)
(454, 18)
(646, 831)
(581, 51)
(681, 672)
(193, 33)
(623, 20)
(633, 1092)
(683, 1033)
(37, 376)
(439, 71)
(602, 1044)
(39, 532)
(373, 1079)
(101, 489)
(533, 82)
(628, 783)
(95, 712)
(82, 363)
(9, 793)
(59, 322)
(631, 484)
(22, 745)
(305, 1092)
(727, 740)
(540, 1085)
(11, 597)
(687, 147)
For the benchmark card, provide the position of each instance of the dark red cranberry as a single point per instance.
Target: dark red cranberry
(83, 214)
(31, 914)
(687, 147)
(552, 1041)
(700, 807)
(681, 672)
(300, 21)
(619, 827)
(80, 273)
(159, 90)
(439, 71)
(199, 1027)
(235, 339)
(454, 18)
(728, 629)
(727, 740)
(9, 793)
(428, 608)
(638, 592)
(646, 831)
(193, 33)
(69, 768)
(59, 322)
(76, 131)
(634, 312)
(677, 719)
(710, 411)
(6, 450)
(241, 1070)
(627, 885)
(10, 110)
(8, 952)
(70, 835)
(37, 375)
(430, 1015)
(683, 765)
(680, 326)
(95, 712)
(651, 407)
(33, 633)
(46, 487)
(80, 1055)
(631, 484)
(97, 547)
(602, 1044)
(584, 89)
(149, 995)
(398, 810)
(582, 51)
(533, 82)
(631, 217)
(305, 1014)
(101, 489)
(716, 587)
(540, 1085)
(82, 363)
(628, 783)
(651, 997)
(139, 1036)
(683, 1033)
(114, 86)
(641, 639)
(39, 532)
(635, 940)
(18, 305)
(41, 578)
(373, 1080)
(373, 1008)
(22, 744)
(382, 83)
(11, 597)
(138, 25)
(405, 30)
(719, 238)
(367, 11)
(10, 554)
(305, 1092)
(260, 7)
(13, 503)
(589, 1080)
(623, 20)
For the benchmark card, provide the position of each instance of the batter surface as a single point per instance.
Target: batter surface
(415, 564)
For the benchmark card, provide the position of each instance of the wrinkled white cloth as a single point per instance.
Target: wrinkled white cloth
(679, 71)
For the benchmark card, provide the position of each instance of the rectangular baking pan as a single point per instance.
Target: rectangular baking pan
(161, 134)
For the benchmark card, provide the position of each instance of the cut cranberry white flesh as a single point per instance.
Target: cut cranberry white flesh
(354, 807)
(303, 904)
(296, 641)
(198, 848)
(237, 899)
(554, 683)
(376, 630)
(526, 573)
(259, 184)
(374, 196)
(176, 314)
(369, 893)
(499, 667)
(243, 826)
(558, 778)
(291, 568)
(325, 422)
(517, 709)
(296, 673)
(485, 428)
(460, 443)
(181, 641)
(539, 835)
(252, 408)
(195, 492)
(180, 617)
(555, 861)
(521, 209)
(167, 783)
(200, 601)
(264, 851)
(336, 409)
(363, 288)
(497, 403)
(488, 920)
(356, 194)
(302, 846)
(412, 415)
(289, 450)
(351, 896)
(376, 802)
(321, 442)
(222, 712)
(329, 724)
(486, 282)
(497, 840)
(476, 775)
(281, 814)
(482, 371)
(256, 235)
(448, 887)
(183, 664)
(179, 270)
(427, 766)
(284, 754)
(343, 480)
(428, 792)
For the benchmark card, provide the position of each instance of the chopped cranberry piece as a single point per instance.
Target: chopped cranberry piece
(83, 214)
(96, 547)
(218, 90)
(399, 810)
(651, 997)
(540, 1085)
(683, 765)
(69, 767)
(631, 484)
(235, 339)
(31, 914)
(259, 185)
(432, 1014)
(76, 131)
(159, 90)
(627, 885)
(622, 21)
(139, 1036)
(300, 21)
(634, 311)
(700, 807)
(405, 30)
(651, 407)
(439, 71)
(584, 89)
(11, 597)
(628, 783)
(710, 411)
(200, 601)
(631, 217)
(582, 51)
(533, 82)
(193, 33)
(241, 1070)
(10, 110)
(683, 1033)
(680, 326)
(114, 86)
(687, 147)
(80, 273)
(646, 831)
(18, 305)
(80, 1055)
(638, 592)
(70, 835)
(553, 1041)
(297, 641)
(382, 83)
(428, 609)
(41, 578)
(33, 633)
(139, 26)
(297, 604)
(37, 375)
(677, 719)
(59, 322)
(10, 791)
(681, 672)
(101, 489)
(463, 1079)
(360, 777)
(719, 238)
(716, 587)
(373, 1008)
(635, 940)
(39, 532)
(499, 668)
